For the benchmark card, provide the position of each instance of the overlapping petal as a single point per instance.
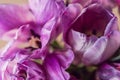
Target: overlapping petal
(55, 65)
(8, 67)
(13, 46)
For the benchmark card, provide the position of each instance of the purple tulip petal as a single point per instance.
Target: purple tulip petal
(44, 10)
(70, 14)
(65, 56)
(112, 26)
(80, 43)
(101, 49)
(8, 68)
(13, 16)
(93, 54)
(54, 69)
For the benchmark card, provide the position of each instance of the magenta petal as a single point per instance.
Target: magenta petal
(66, 57)
(13, 16)
(44, 10)
(70, 14)
(54, 69)
(56, 63)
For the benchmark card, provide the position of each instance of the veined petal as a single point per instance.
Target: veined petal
(44, 10)
(77, 40)
(104, 50)
(94, 54)
(79, 43)
(101, 49)
(13, 16)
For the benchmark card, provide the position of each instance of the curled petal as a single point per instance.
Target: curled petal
(112, 25)
(112, 45)
(12, 47)
(8, 68)
(46, 31)
(101, 49)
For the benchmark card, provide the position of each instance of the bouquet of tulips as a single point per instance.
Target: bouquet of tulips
(60, 40)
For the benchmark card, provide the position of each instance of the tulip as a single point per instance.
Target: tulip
(20, 23)
(52, 67)
(93, 34)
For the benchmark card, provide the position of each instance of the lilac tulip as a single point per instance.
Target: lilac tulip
(108, 72)
(37, 16)
(20, 23)
(93, 34)
(52, 67)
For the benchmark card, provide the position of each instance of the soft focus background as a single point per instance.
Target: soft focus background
(14, 1)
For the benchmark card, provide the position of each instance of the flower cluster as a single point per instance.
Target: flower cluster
(60, 40)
